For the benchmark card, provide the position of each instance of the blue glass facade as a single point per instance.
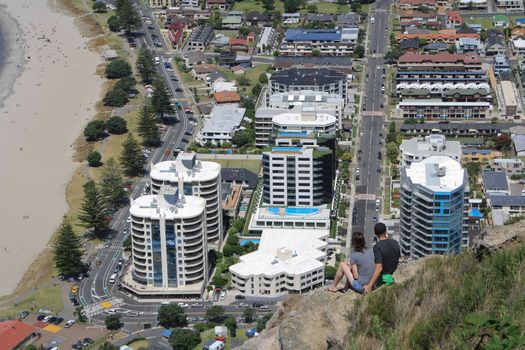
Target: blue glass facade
(171, 254)
(156, 253)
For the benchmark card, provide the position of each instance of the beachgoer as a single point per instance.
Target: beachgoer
(386, 258)
(359, 267)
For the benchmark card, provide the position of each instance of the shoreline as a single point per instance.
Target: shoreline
(52, 99)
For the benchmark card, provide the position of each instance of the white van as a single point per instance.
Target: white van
(113, 278)
(264, 308)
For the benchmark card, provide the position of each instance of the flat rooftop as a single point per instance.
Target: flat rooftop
(431, 145)
(437, 173)
(224, 118)
(284, 251)
(187, 167)
(304, 119)
(168, 205)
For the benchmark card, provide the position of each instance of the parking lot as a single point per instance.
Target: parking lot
(61, 337)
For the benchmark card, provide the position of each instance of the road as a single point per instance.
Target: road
(368, 186)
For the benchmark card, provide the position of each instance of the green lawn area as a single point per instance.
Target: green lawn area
(255, 5)
(232, 34)
(253, 73)
(328, 7)
(484, 22)
(210, 334)
(47, 297)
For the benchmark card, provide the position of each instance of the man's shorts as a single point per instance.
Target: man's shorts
(357, 286)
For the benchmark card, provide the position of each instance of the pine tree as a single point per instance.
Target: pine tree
(129, 18)
(147, 126)
(93, 212)
(67, 250)
(131, 158)
(161, 99)
(112, 185)
(146, 65)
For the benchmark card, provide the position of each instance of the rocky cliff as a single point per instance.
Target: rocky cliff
(322, 320)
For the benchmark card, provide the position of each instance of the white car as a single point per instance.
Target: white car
(111, 311)
(69, 323)
(183, 305)
(223, 295)
(47, 318)
(128, 220)
(157, 60)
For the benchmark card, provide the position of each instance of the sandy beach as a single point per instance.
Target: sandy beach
(51, 89)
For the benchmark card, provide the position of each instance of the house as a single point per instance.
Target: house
(418, 19)
(509, 5)
(442, 61)
(320, 18)
(218, 86)
(16, 335)
(518, 142)
(202, 70)
(501, 64)
(450, 36)
(476, 155)
(436, 109)
(222, 123)
(410, 45)
(256, 19)
(160, 3)
(495, 44)
(415, 4)
(238, 70)
(509, 166)
(199, 38)
(220, 40)
(453, 20)
(232, 22)
(500, 20)
(472, 4)
(217, 4)
(505, 207)
(267, 40)
(472, 28)
(518, 45)
(347, 20)
(175, 34)
(328, 42)
(469, 45)
(227, 58)
(251, 37)
(239, 45)
(215, 77)
(291, 18)
(193, 58)
(495, 183)
(226, 97)
(189, 4)
(236, 14)
(435, 47)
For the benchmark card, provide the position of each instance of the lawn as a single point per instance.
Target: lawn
(210, 334)
(484, 22)
(252, 165)
(47, 297)
(253, 73)
(255, 5)
(329, 7)
(232, 34)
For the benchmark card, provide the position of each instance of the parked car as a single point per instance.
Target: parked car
(240, 297)
(23, 315)
(40, 317)
(69, 323)
(88, 341)
(58, 321)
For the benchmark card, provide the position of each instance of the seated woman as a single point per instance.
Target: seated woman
(358, 269)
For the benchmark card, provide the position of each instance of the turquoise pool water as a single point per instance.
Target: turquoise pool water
(243, 242)
(287, 149)
(294, 211)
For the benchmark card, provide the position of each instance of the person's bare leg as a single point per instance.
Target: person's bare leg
(338, 276)
(350, 274)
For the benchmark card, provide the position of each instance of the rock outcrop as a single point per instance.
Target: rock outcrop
(321, 319)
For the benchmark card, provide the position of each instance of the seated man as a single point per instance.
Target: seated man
(386, 258)
(359, 269)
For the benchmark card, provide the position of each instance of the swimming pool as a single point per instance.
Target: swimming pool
(243, 242)
(293, 211)
(287, 149)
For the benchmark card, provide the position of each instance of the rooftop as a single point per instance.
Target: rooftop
(226, 97)
(224, 118)
(187, 167)
(308, 77)
(440, 58)
(505, 201)
(201, 34)
(239, 175)
(304, 34)
(305, 97)
(438, 102)
(495, 180)
(284, 251)
(437, 173)
(12, 333)
(169, 206)
(313, 61)
(431, 145)
(304, 119)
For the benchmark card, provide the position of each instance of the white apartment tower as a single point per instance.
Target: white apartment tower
(202, 179)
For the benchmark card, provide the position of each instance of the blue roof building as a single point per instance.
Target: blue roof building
(302, 41)
(312, 34)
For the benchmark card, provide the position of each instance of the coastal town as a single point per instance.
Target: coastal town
(239, 149)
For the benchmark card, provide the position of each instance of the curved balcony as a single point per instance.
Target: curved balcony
(193, 227)
(208, 183)
(193, 249)
(197, 262)
(140, 277)
(138, 260)
(192, 241)
(190, 221)
(194, 276)
(193, 256)
(138, 246)
(139, 254)
(138, 239)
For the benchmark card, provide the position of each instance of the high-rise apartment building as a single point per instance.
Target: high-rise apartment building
(200, 178)
(434, 209)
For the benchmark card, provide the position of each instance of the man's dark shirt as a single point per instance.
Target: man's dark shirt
(387, 253)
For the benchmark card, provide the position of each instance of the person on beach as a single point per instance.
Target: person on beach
(386, 258)
(358, 269)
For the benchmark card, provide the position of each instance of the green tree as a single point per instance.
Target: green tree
(502, 142)
(231, 324)
(126, 243)
(292, 5)
(219, 281)
(392, 151)
(128, 16)
(112, 185)
(316, 52)
(243, 81)
(126, 84)
(116, 125)
(452, 48)
(118, 69)
(311, 8)
(131, 158)
(263, 78)
(329, 272)
(346, 157)
(161, 99)
(147, 125)
(113, 322)
(95, 130)
(146, 65)
(170, 316)
(67, 251)
(215, 314)
(261, 324)
(114, 23)
(99, 7)
(392, 127)
(269, 5)
(94, 159)
(356, 7)
(256, 90)
(359, 51)
(116, 98)
(93, 213)
(79, 314)
(215, 20)
(33, 347)
(248, 314)
(108, 346)
(243, 138)
(184, 339)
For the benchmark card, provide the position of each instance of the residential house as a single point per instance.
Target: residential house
(450, 36)
(510, 98)
(236, 14)
(415, 4)
(194, 14)
(453, 20)
(239, 45)
(323, 18)
(227, 58)
(505, 207)
(472, 4)
(238, 70)
(226, 97)
(471, 28)
(219, 86)
(469, 45)
(418, 19)
(436, 109)
(347, 20)
(222, 123)
(518, 142)
(267, 40)
(176, 34)
(202, 70)
(327, 42)
(440, 62)
(495, 183)
(256, 19)
(199, 38)
(410, 45)
(215, 77)
(160, 3)
(435, 48)
(291, 18)
(509, 5)
(217, 4)
(232, 22)
(476, 155)
(495, 44)
(501, 64)
(500, 20)
(193, 58)
(220, 40)
(190, 4)
(510, 166)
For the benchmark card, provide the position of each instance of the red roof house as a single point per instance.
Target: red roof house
(238, 45)
(14, 334)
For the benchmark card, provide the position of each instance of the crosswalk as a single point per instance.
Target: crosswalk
(91, 310)
(115, 247)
